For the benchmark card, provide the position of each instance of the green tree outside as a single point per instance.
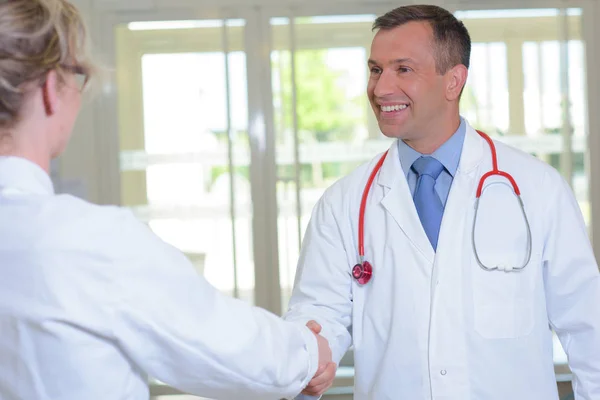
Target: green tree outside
(323, 110)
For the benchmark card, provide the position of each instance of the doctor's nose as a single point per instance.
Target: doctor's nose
(386, 85)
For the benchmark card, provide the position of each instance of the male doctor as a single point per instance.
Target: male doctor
(438, 320)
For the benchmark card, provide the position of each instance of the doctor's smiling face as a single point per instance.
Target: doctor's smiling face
(417, 74)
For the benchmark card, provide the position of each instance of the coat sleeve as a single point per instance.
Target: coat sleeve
(180, 330)
(572, 284)
(323, 285)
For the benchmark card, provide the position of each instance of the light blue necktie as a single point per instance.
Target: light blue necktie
(428, 203)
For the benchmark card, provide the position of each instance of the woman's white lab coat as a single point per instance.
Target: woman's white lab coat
(91, 302)
(437, 325)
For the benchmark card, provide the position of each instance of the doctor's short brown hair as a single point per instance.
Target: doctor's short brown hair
(451, 40)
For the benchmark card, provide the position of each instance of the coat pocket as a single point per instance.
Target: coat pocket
(503, 301)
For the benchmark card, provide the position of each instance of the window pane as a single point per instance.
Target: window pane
(175, 159)
(519, 91)
(485, 97)
(336, 130)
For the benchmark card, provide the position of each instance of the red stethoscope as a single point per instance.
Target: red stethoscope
(363, 271)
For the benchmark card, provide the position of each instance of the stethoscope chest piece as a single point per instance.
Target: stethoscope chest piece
(362, 272)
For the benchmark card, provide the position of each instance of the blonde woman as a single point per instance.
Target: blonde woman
(91, 302)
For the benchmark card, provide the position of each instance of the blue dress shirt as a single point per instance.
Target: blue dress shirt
(448, 154)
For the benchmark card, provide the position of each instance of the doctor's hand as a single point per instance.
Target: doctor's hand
(323, 379)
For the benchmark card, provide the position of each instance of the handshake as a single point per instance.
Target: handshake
(323, 379)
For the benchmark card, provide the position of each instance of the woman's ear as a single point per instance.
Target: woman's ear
(50, 93)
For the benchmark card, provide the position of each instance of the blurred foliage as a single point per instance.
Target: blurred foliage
(323, 109)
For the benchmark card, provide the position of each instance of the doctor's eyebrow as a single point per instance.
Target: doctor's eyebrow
(406, 60)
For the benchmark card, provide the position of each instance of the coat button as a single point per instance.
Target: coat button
(443, 372)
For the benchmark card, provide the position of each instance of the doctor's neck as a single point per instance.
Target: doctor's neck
(25, 142)
(434, 134)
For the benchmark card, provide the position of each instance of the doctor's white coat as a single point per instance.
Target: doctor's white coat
(436, 325)
(91, 303)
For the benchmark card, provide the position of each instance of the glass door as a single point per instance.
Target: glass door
(324, 126)
(184, 149)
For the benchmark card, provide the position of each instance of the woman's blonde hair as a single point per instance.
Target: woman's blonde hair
(37, 36)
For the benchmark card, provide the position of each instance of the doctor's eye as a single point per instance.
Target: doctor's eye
(404, 69)
(375, 70)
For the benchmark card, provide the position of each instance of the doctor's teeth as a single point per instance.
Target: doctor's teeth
(394, 108)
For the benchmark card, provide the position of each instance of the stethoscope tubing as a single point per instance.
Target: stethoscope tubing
(480, 188)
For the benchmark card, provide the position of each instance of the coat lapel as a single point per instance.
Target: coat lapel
(461, 198)
(399, 203)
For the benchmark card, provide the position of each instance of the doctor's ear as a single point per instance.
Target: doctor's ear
(456, 77)
(50, 93)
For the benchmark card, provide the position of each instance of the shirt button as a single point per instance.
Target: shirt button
(443, 372)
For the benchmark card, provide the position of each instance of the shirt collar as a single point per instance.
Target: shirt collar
(448, 153)
(19, 175)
